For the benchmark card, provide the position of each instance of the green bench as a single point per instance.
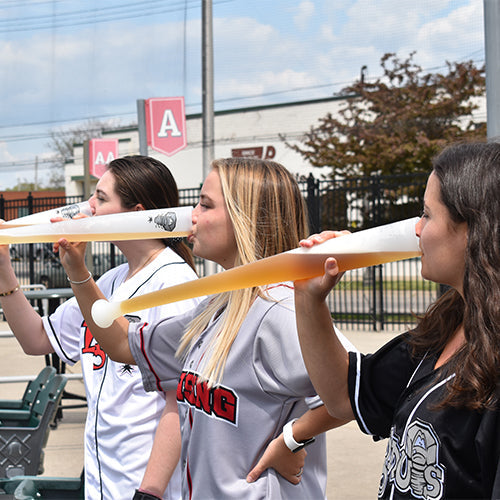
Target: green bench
(24, 432)
(16, 409)
(35, 488)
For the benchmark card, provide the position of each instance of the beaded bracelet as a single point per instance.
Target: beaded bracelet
(89, 277)
(10, 292)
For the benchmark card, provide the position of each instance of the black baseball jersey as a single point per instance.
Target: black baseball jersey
(432, 453)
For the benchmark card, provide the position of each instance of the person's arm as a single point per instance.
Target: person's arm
(113, 340)
(325, 357)
(24, 321)
(166, 450)
(287, 463)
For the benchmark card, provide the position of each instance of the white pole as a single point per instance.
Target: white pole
(492, 56)
(207, 67)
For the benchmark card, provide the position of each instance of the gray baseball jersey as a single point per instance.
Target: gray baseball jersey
(122, 418)
(225, 429)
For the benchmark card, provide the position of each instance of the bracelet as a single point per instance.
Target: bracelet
(88, 278)
(10, 292)
(290, 442)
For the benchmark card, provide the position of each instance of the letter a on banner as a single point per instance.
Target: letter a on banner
(101, 152)
(166, 124)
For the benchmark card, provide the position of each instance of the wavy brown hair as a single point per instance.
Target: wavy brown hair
(469, 177)
(269, 216)
(145, 180)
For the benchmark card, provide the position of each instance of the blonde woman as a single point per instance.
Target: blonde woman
(242, 377)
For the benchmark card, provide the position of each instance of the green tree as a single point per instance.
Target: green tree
(397, 123)
(25, 185)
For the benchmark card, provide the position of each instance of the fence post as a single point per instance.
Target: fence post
(313, 204)
(112, 256)
(2, 207)
(377, 277)
(31, 263)
(30, 203)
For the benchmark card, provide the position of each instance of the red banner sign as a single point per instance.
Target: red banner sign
(101, 152)
(166, 124)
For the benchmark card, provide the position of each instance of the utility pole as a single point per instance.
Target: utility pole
(207, 75)
(89, 261)
(141, 127)
(492, 56)
(207, 70)
(36, 173)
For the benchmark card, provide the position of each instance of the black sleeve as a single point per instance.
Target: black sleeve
(376, 382)
(495, 492)
(487, 445)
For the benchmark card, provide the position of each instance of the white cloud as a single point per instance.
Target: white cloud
(261, 47)
(269, 81)
(460, 33)
(305, 11)
(5, 155)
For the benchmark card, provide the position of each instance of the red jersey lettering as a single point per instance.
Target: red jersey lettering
(218, 401)
(90, 346)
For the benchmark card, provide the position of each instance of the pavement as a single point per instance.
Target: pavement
(354, 459)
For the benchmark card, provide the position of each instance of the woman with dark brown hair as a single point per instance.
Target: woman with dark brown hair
(122, 418)
(434, 390)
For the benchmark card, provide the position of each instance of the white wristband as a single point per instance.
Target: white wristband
(290, 442)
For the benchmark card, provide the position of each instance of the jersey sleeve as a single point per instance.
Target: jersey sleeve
(64, 325)
(278, 362)
(376, 382)
(277, 355)
(63, 330)
(153, 347)
(487, 444)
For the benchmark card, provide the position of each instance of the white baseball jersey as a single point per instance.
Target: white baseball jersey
(122, 418)
(225, 429)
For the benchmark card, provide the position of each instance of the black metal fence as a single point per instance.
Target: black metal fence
(384, 297)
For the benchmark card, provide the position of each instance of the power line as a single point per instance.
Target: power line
(27, 164)
(66, 16)
(133, 113)
(23, 137)
(93, 16)
(78, 13)
(15, 3)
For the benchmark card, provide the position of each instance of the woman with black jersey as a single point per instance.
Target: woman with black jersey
(434, 390)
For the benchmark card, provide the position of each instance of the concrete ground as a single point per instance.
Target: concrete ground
(354, 460)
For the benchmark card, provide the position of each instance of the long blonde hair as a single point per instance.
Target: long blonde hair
(269, 216)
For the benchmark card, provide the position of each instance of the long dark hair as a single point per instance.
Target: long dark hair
(145, 180)
(469, 177)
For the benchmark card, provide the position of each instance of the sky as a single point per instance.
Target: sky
(67, 62)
